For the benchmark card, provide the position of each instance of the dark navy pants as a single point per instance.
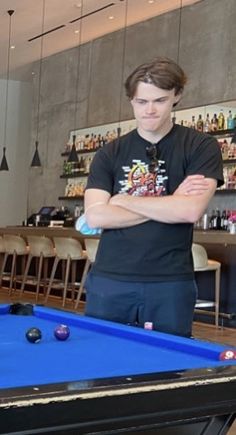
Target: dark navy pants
(168, 305)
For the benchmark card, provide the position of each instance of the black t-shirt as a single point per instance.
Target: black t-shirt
(152, 251)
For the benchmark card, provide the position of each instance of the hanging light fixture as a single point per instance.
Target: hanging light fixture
(123, 65)
(36, 162)
(179, 30)
(4, 165)
(178, 48)
(73, 156)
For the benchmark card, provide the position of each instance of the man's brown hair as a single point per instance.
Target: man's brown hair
(161, 72)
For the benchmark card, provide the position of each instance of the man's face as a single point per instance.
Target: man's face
(152, 107)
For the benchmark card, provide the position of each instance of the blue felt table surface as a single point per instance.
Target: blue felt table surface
(95, 349)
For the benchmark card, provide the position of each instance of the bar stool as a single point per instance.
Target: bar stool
(201, 263)
(14, 247)
(91, 246)
(69, 251)
(42, 249)
(2, 251)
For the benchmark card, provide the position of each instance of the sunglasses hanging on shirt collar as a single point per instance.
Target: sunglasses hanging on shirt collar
(151, 153)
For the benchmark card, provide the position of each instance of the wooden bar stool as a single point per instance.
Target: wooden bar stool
(69, 251)
(91, 246)
(42, 249)
(2, 252)
(203, 264)
(14, 247)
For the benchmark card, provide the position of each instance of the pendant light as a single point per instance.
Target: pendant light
(73, 156)
(123, 65)
(36, 162)
(178, 50)
(4, 165)
(179, 30)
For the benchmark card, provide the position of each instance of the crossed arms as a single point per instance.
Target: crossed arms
(185, 205)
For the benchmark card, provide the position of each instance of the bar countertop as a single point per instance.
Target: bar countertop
(200, 236)
(41, 231)
(214, 237)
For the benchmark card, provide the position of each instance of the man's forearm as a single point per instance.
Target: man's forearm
(108, 216)
(187, 204)
(169, 209)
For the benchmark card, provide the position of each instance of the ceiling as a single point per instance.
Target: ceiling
(93, 18)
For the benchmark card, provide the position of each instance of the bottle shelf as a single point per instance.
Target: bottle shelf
(229, 161)
(225, 191)
(84, 151)
(66, 176)
(70, 198)
(221, 133)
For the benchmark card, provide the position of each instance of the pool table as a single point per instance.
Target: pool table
(108, 378)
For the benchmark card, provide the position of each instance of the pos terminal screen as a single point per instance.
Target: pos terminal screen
(46, 211)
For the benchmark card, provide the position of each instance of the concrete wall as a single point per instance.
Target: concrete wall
(14, 183)
(207, 54)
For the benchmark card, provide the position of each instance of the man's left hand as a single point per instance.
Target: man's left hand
(193, 185)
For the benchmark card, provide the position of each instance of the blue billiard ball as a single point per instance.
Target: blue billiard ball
(62, 332)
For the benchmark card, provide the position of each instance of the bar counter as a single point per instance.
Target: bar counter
(42, 231)
(214, 237)
(199, 236)
(220, 246)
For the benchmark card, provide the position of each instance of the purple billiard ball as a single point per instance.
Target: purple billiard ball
(62, 332)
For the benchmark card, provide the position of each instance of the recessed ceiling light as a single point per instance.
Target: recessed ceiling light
(12, 47)
(111, 17)
(150, 1)
(33, 73)
(77, 5)
(76, 31)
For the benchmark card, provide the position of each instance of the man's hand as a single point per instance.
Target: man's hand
(193, 185)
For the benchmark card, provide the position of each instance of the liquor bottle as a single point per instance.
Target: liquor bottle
(214, 123)
(230, 121)
(221, 121)
(218, 220)
(87, 166)
(86, 141)
(99, 141)
(82, 165)
(224, 220)
(193, 123)
(235, 120)
(64, 171)
(207, 124)
(212, 220)
(200, 123)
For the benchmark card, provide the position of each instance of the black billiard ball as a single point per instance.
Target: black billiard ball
(33, 335)
(62, 332)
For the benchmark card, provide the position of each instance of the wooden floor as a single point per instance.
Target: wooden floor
(200, 330)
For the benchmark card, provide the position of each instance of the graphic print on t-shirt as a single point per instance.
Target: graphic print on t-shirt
(139, 181)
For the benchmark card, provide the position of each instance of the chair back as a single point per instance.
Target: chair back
(2, 247)
(91, 246)
(14, 243)
(68, 247)
(200, 258)
(40, 245)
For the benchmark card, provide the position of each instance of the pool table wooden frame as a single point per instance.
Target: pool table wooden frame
(175, 403)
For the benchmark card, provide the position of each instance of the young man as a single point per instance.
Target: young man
(145, 190)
